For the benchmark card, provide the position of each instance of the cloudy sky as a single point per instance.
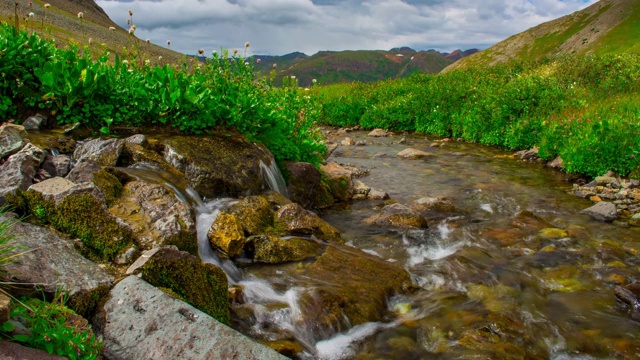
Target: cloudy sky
(277, 27)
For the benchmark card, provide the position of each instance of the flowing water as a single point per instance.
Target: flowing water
(489, 284)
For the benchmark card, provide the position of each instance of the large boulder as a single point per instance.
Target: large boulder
(306, 186)
(218, 165)
(57, 165)
(298, 221)
(200, 284)
(83, 171)
(103, 152)
(50, 263)
(142, 322)
(340, 181)
(399, 216)
(602, 211)
(156, 216)
(275, 250)
(11, 139)
(18, 171)
(227, 235)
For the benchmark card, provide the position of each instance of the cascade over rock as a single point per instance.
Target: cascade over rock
(254, 213)
(217, 164)
(156, 216)
(226, 234)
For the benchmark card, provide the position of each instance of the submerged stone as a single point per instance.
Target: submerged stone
(413, 154)
(399, 216)
(552, 234)
(275, 250)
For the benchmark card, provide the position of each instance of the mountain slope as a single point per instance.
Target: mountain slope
(329, 67)
(608, 26)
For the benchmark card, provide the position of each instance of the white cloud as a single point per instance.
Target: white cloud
(282, 26)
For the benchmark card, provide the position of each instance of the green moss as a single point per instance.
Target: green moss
(84, 217)
(273, 250)
(254, 212)
(202, 285)
(42, 209)
(172, 294)
(184, 241)
(85, 304)
(109, 184)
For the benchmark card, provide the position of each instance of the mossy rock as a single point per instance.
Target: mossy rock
(254, 212)
(274, 250)
(202, 285)
(227, 235)
(109, 184)
(300, 222)
(219, 164)
(85, 304)
(81, 216)
(184, 241)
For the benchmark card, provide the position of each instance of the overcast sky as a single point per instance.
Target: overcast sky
(277, 27)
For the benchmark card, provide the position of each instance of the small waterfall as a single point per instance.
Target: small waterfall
(273, 178)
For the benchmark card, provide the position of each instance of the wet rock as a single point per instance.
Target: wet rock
(299, 221)
(18, 171)
(635, 220)
(434, 208)
(361, 143)
(413, 154)
(57, 165)
(556, 163)
(399, 216)
(630, 295)
(602, 211)
(218, 165)
(306, 187)
(348, 142)
(331, 147)
(275, 250)
(352, 284)
(340, 181)
(35, 122)
(379, 155)
(254, 213)
(505, 237)
(378, 195)
(15, 351)
(155, 216)
(140, 322)
(51, 264)
(529, 222)
(609, 181)
(529, 155)
(138, 139)
(103, 152)
(83, 171)
(54, 141)
(227, 235)
(360, 190)
(378, 133)
(11, 139)
(275, 199)
(552, 234)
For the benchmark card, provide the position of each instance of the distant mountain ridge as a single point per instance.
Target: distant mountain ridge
(606, 27)
(329, 67)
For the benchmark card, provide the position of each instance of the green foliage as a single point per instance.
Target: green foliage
(50, 330)
(193, 97)
(583, 108)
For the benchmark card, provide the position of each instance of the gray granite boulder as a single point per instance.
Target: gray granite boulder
(19, 169)
(50, 263)
(602, 211)
(142, 322)
(35, 122)
(11, 139)
(57, 165)
(103, 152)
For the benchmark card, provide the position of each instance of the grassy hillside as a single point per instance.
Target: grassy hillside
(60, 22)
(607, 27)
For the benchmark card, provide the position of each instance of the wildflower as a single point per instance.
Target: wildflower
(275, 65)
(148, 41)
(128, 22)
(246, 63)
(90, 40)
(125, 62)
(247, 44)
(633, 156)
(132, 29)
(214, 53)
(258, 61)
(31, 14)
(201, 51)
(147, 62)
(168, 42)
(130, 13)
(235, 51)
(159, 57)
(111, 28)
(314, 80)
(47, 5)
(80, 15)
(30, 3)
(293, 77)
